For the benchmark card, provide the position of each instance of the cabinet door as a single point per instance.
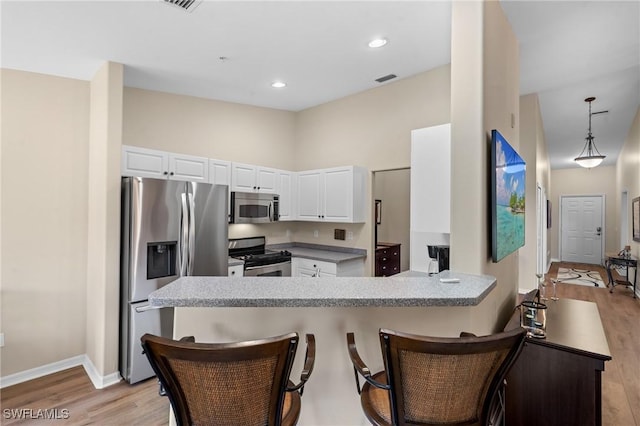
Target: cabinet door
(219, 172)
(266, 180)
(144, 162)
(286, 192)
(236, 271)
(309, 195)
(188, 168)
(338, 195)
(243, 177)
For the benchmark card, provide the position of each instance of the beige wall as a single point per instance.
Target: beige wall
(53, 158)
(103, 275)
(370, 129)
(533, 150)
(393, 187)
(597, 181)
(484, 96)
(45, 132)
(209, 128)
(628, 175)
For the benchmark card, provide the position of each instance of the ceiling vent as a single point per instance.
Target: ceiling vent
(386, 78)
(188, 5)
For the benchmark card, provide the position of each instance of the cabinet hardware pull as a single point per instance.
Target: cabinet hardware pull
(165, 173)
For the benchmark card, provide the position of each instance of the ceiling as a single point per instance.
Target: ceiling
(234, 50)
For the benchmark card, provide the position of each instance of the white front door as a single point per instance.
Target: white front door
(582, 229)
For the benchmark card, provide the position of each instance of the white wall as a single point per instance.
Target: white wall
(431, 192)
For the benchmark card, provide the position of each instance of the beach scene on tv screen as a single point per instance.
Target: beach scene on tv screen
(510, 199)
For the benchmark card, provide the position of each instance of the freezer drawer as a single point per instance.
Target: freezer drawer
(143, 318)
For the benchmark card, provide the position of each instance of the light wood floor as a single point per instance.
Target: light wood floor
(140, 404)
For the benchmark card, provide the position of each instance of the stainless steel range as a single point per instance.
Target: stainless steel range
(258, 261)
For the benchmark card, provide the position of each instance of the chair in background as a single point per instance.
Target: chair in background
(429, 380)
(240, 383)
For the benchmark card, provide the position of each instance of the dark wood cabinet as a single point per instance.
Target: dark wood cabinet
(557, 380)
(387, 259)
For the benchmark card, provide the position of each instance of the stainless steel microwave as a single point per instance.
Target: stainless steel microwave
(254, 207)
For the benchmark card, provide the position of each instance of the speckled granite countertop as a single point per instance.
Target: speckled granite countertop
(321, 252)
(396, 290)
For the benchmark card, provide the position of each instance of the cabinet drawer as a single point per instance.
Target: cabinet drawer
(387, 260)
(310, 264)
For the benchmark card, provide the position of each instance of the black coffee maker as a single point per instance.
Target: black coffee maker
(439, 256)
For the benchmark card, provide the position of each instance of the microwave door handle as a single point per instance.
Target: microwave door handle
(270, 208)
(191, 235)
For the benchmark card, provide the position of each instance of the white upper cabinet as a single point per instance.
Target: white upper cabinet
(219, 172)
(188, 168)
(152, 163)
(332, 195)
(144, 162)
(309, 206)
(286, 190)
(250, 178)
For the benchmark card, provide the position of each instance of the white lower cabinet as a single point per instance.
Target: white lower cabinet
(236, 270)
(302, 267)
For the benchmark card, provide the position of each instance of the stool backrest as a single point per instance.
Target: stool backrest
(224, 383)
(446, 380)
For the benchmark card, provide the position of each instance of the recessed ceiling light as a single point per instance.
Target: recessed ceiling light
(278, 84)
(378, 42)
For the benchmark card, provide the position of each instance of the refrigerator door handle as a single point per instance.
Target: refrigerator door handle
(184, 229)
(146, 308)
(191, 235)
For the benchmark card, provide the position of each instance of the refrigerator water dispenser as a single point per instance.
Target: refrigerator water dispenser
(161, 259)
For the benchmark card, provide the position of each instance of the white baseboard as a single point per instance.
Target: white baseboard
(98, 381)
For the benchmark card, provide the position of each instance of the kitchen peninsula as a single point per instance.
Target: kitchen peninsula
(225, 309)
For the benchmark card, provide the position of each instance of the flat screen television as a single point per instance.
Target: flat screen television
(507, 198)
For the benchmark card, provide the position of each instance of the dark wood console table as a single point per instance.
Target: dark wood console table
(557, 380)
(628, 261)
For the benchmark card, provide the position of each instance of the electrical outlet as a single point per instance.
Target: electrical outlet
(1, 340)
(349, 235)
(315, 233)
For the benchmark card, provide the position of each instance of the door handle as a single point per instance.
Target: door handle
(191, 235)
(146, 308)
(598, 230)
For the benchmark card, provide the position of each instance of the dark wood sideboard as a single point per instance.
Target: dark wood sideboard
(557, 380)
(387, 259)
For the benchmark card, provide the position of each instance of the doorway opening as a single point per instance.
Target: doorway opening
(391, 206)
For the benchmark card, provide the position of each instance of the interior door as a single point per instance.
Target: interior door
(582, 228)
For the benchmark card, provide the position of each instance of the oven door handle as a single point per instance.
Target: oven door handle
(270, 265)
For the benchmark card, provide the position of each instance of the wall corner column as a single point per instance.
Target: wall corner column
(103, 257)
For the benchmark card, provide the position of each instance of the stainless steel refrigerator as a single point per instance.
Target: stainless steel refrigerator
(169, 229)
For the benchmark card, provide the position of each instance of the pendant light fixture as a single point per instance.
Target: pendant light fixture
(590, 156)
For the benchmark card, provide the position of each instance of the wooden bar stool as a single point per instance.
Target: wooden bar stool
(429, 380)
(241, 383)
